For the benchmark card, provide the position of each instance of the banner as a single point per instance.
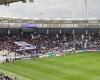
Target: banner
(24, 46)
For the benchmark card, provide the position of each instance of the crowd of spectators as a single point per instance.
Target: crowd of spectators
(47, 42)
(5, 77)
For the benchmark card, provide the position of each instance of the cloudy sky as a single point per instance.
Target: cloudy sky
(63, 9)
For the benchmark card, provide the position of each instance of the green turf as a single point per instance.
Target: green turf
(84, 66)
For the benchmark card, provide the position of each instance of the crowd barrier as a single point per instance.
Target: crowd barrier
(87, 51)
(13, 58)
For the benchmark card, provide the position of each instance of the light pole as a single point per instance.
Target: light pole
(86, 13)
(86, 9)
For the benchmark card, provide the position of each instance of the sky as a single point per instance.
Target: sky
(52, 9)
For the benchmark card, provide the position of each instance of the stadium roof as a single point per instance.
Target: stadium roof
(7, 2)
(6, 22)
(37, 20)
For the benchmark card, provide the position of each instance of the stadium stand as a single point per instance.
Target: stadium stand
(43, 43)
(25, 38)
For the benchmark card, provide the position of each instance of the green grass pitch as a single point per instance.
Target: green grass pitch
(83, 66)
